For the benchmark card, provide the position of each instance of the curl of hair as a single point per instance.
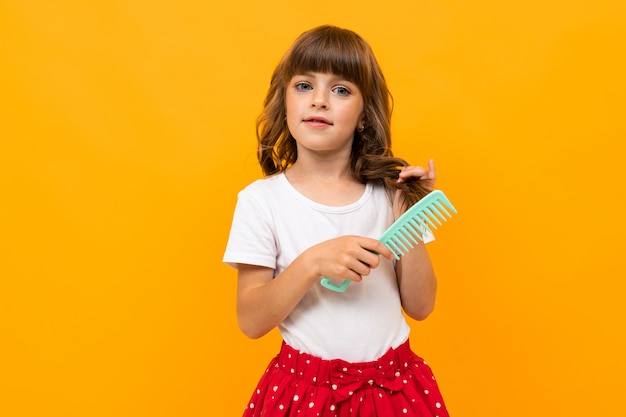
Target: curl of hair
(329, 49)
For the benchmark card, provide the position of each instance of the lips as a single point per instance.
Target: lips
(318, 121)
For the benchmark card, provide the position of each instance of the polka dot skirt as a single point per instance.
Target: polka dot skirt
(297, 384)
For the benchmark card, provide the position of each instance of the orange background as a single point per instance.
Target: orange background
(127, 129)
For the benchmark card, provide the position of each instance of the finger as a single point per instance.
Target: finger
(412, 172)
(373, 248)
(431, 169)
(371, 259)
(361, 269)
(355, 276)
(419, 172)
(378, 248)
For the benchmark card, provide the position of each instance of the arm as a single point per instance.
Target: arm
(264, 301)
(414, 271)
(417, 282)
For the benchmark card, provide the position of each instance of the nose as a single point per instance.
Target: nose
(319, 99)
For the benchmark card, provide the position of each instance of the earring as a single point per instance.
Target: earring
(361, 128)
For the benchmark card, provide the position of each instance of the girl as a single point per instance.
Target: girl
(332, 187)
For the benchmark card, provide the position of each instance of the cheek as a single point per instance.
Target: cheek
(292, 115)
(354, 115)
(357, 111)
(291, 106)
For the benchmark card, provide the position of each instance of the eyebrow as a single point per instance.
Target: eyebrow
(335, 77)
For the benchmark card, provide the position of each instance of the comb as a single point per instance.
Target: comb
(409, 229)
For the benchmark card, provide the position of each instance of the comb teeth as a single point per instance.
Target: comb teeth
(424, 216)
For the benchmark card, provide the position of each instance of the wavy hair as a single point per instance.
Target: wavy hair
(329, 49)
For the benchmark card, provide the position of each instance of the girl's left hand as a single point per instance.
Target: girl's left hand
(420, 173)
(426, 175)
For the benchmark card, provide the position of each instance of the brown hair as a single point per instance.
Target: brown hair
(329, 49)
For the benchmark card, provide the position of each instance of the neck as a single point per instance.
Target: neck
(334, 186)
(322, 169)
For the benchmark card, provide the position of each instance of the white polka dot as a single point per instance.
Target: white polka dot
(258, 391)
(438, 405)
(404, 410)
(332, 407)
(275, 388)
(293, 371)
(397, 373)
(426, 392)
(311, 404)
(251, 405)
(334, 386)
(296, 397)
(390, 362)
(281, 406)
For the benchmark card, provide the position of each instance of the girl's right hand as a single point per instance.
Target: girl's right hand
(265, 300)
(347, 257)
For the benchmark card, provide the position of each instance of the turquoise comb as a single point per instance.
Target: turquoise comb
(406, 232)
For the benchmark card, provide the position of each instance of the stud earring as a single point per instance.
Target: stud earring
(361, 128)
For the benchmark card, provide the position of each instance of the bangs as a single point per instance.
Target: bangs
(330, 50)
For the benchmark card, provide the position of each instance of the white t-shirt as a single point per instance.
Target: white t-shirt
(273, 223)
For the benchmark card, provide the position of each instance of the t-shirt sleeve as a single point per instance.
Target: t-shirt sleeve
(252, 238)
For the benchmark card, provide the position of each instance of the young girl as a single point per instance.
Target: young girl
(332, 187)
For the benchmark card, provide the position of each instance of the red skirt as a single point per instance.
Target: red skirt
(297, 384)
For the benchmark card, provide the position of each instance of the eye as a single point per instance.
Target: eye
(302, 86)
(341, 91)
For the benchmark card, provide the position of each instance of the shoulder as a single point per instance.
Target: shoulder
(262, 194)
(261, 190)
(266, 185)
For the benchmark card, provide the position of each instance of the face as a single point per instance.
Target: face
(323, 111)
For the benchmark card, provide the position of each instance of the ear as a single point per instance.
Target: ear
(362, 121)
